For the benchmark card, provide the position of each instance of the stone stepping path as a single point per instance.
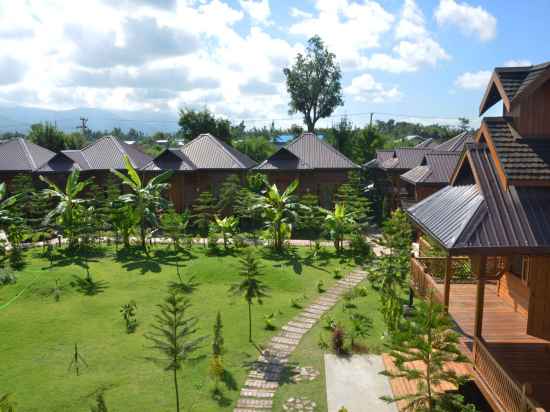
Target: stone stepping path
(263, 379)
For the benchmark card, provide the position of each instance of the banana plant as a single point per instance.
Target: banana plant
(339, 222)
(279, 211)
(6, 203)
(66, 211)
(227, 227)
(145, 198)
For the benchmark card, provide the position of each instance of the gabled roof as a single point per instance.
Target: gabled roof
(521, 159)
(456, 144)
(59, 163)
(381, 156)
(425, 143)
(405, 158)
(108, 153)
(21, 155)
(437, 168)
(510, 84)
(203, 152)
(307, 152)
(484, 217)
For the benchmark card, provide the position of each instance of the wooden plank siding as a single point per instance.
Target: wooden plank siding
(531, 117)
(539, 298)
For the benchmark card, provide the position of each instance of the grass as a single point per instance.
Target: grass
(39, 334)
(308, 352)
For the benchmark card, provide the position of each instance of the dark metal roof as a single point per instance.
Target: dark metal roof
(407, 158)
(21, 155)
(108, 153)
(59, 163)
(425, 143)
(456, 144)
(486, 216)
(203, 152)
(307, 152)
(515, 81)
(521, 158)
(436, 168)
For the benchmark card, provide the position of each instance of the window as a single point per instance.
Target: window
(519, 266)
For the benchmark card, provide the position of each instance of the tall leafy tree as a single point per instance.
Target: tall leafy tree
(251, 287)
(258, 148)
(194, 122)
(280, 211)
(174, 336)
(145, 198)
(313, 83)
(421, 349)
(10, 222)
(48, 135)
(69, 203)
(174, 225)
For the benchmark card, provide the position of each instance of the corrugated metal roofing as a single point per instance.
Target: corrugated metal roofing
(456, 144)
(485, 215)
(521, 158)
(108, 153)
(21, 155)
(311, 153)
(425, 143)
(59, 163)
(407, 158)
(203, 152)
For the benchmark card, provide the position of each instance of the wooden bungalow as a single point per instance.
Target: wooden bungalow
(423, 175)
(318, 167)
(495, 214)
(202, 164)
(94, 161)
(19, 156)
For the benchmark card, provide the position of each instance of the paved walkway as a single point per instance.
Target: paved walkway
(355, 383)
(263, 380)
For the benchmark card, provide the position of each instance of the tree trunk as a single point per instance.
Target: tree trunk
(249, 322)
(142, 235)
(177, 390)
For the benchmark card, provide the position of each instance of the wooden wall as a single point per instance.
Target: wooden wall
(514, 291)
(532, 117)
(538, 323)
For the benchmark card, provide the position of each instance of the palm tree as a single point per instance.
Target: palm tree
(279, 210)
(6, 217)
(67, 209)
(174, 336)
(250, 287)
(145, 198)
(227, 226)
(339, 222)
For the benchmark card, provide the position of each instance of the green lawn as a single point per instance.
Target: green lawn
(308, 352)
(38, 334)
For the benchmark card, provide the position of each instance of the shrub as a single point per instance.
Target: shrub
(297, 302)
(360, 248)
(268, 319)
(338, 340)
(7, 277)
(213, 247)
(323, 345)
(337, 273)
(330, 323)
(320, 286)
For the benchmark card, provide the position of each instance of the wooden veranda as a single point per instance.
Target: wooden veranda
(511, 367)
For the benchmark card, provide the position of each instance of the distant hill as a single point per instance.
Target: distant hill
(18, 118)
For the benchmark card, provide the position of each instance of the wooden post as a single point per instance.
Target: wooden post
(479, 266)
(448, 277)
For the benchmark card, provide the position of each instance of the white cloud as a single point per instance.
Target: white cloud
(517, 63)
(347, 27)
(258, 10)
(295, 12)
(416, 46)
(471, 20)
(365, 88)
(473, 80)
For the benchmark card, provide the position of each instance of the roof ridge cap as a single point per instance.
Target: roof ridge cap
(23, 143)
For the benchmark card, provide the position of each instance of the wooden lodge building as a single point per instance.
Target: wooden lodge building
(495, 217)
(318, 166)
(202, 164)
(199, 165)
(407, 175)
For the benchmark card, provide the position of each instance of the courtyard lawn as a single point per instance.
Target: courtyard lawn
(38, 334)
(308, 352)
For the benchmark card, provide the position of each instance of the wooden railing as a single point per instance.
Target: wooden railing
(511, 396)
(422, 282)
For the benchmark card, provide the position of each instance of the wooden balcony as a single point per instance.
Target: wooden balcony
(511, 368)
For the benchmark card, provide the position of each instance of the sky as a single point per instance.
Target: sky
(415, 60)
